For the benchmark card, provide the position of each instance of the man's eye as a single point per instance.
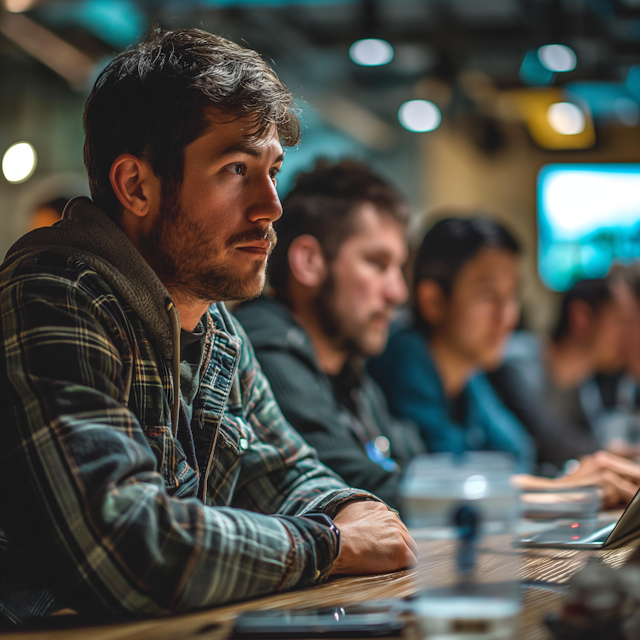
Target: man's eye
(274, 173)
(238, 168)
(379, 263)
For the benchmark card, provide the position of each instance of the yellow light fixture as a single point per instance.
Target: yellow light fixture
(553, 122)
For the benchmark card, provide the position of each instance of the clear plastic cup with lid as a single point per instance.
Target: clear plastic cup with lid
(467, 578)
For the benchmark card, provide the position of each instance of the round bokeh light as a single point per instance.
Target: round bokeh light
(566, 118)
(557, 58)
(419, 115)
(19, 162)
(371, 52)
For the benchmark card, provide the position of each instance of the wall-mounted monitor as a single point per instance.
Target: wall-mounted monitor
(588, 216)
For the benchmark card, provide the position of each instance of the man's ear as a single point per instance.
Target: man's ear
(431, 302)
(306, 261)
(134, 183)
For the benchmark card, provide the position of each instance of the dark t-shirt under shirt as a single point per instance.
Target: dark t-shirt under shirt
(191, 352)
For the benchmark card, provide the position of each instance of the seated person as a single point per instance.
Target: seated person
(631, 276)
(549, 384)
(619, 428)
(336, 273)
(337, 281)
(465, 307)
(147, 467)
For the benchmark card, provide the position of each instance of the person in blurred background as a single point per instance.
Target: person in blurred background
(631, 275)
(465, 307)
(121, 383)
(618, 426)
(337, 278)
(336, 275)
(549, 385)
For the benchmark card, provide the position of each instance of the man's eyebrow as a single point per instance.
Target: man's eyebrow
(248, 148)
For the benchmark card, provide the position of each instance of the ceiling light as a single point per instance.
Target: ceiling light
(70, 62)
(557, 58)
(19, 162)
(371, 52)
(419, 115)
(566, 118)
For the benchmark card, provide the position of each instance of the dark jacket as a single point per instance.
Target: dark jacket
(100, 506)
(554, 417)
(342, 416)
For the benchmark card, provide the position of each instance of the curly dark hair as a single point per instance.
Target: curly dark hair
(157, 97)
(322, 203)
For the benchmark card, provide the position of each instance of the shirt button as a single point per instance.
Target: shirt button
(244, 444)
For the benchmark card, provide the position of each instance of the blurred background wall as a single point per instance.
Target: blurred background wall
(461, 103)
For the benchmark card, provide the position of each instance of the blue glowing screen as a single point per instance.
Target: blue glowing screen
(588, 216)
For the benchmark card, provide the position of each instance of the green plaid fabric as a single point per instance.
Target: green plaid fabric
(99, 504)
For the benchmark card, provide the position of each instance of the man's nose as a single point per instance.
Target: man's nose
(396, 290)
(265, 205)
(510, 313)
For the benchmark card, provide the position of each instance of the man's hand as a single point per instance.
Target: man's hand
(617, 478)
(372, 540)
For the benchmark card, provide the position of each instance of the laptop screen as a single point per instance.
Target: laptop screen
(628, 526)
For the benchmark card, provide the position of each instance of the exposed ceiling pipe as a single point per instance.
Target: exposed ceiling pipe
(66, 60)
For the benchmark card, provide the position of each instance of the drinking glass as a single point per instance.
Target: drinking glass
(467, 583)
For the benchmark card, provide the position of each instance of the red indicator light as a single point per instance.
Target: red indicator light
(575, 537)
(575, 525)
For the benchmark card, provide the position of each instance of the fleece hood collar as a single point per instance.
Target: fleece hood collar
(88, 234)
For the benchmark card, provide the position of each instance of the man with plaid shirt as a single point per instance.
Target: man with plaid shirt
(147, 467)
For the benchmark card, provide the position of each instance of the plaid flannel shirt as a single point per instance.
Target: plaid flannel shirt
(99, 504)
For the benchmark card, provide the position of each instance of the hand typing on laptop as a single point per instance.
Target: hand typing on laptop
(617, 478)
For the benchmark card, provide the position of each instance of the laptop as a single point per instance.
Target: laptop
(591, 534)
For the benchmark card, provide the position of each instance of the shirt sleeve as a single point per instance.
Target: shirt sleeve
(87, 514)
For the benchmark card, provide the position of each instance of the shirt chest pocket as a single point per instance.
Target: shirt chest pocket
(235, 434)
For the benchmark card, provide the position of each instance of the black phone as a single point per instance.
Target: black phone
(358, 621)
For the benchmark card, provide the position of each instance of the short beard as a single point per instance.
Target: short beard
(331, 324)
(179, 251)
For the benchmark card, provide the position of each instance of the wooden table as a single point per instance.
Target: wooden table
(544, 571)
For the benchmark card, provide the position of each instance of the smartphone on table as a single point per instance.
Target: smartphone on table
(356, 621)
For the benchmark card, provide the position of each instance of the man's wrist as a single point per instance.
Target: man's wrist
(325, 520)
